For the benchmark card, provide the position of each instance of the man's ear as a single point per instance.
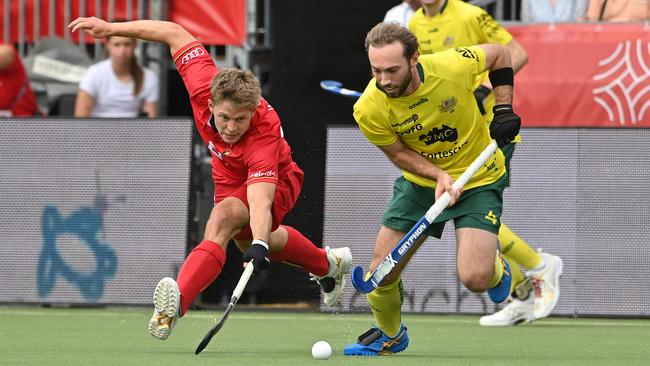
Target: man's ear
(210, 106)
(414, 59)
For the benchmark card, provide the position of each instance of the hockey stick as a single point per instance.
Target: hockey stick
(336, 87)
(393, 258)
(233, 300)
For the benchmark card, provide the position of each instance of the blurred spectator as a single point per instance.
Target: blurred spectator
(403, 12)
(553, 11)
(16, 96)
(118, 86)
(618, 10)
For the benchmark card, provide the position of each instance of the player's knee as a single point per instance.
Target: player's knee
(475, 280)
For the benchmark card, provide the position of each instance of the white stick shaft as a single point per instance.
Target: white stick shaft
(444, 200)
(243, 280)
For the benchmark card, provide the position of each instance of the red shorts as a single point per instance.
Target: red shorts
(286, 195)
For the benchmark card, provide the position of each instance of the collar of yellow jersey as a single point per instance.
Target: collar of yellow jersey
(444, 6)
(420, 72)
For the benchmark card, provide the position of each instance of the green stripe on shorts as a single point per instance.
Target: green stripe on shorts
(478, 207)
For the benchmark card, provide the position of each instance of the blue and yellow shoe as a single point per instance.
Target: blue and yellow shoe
(500, 292)
(374, 342)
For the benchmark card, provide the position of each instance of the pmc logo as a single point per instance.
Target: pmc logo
(623, 78)
(199, 51)
(444, 133)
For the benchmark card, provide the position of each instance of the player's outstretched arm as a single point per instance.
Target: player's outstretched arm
(169, 33)
(7, 54)
(409, 160)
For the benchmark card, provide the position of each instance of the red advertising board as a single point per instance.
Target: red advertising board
(584, 75)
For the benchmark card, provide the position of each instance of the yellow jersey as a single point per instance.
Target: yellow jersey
(440, 120)
(458, 24)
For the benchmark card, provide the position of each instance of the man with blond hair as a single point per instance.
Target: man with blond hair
(256, 181)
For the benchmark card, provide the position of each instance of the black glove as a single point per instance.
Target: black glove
(257, 252)
(480, 94)
(505, 124)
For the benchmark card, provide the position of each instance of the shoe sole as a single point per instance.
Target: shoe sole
(166, 301)
(557, 291)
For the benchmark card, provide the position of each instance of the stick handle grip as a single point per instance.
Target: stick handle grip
(243, 280)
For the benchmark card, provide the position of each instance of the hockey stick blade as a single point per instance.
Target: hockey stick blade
(214, 329)
(236, 294)
(336, 87)
(359, 283)
(406, 243)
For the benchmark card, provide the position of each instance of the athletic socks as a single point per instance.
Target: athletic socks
(301, 252)
(515, 272)
(386, 304)
(201, 267)
(515, 248)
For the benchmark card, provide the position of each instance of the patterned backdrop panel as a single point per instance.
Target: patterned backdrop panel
(91, 211)
(581, 194)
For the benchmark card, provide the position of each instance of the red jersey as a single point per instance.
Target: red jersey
(15, 93)
(261, 155)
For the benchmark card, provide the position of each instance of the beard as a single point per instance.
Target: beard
(399, 90)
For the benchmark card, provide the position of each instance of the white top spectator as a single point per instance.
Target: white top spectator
(114, 98)
(402, 13)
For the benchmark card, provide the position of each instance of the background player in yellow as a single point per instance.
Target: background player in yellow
(444, 24)
(421, 112)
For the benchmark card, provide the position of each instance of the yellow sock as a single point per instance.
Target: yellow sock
(515, 272)
(386, 303)
(516, 249)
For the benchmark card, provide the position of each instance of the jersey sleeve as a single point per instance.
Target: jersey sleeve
(90, 82)
(263, 159)
(197, 69)
(464, 63)
(373, 124)
(489, 29)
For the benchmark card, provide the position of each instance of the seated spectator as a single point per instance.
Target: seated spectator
(402, 13)
(553, 11)
(16, 96)
(118, 86)
(618, 10)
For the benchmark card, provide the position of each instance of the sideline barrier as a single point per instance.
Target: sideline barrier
(92, 211)
(581, 194)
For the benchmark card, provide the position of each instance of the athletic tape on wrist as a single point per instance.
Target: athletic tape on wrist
(502, 76)
(260, 242)
(502, 108)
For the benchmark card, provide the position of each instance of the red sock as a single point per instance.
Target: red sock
(302, 252)
(200, 268)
